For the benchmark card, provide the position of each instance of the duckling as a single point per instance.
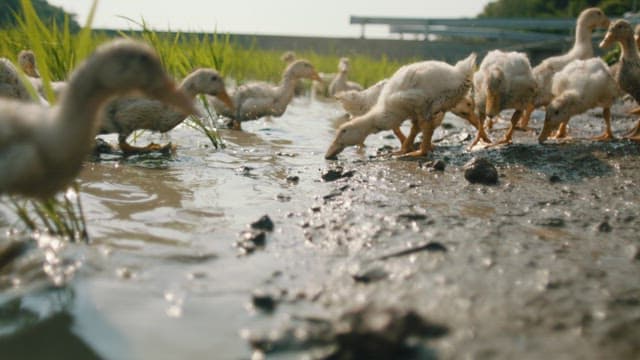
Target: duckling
(289, 57)
(27, 61)
(628, 76)
(504, 81)
(255, 100)
(10, 84)
(418, 91)
(357, 103)
(587, 22)
(42, 148)
(580, 86)
(125, 115)
(340, 82)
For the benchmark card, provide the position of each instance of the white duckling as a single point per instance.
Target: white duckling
(358, 102)
(580, 86)
(503, 81)
(258, 99)
(340, 82)
(10, 84)
(628, 76)
(418, 91)
(42, 148)
(587, 22)
(125, 115)
(289, 57)
(27, 61)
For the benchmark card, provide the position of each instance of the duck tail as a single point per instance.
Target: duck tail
(467, 66)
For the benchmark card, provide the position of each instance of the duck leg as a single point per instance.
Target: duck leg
(481, 134)
(398, 133)
(608, 134)
(128, 149)
(562, 132)
(428, 127)
(407, 144)
(526, 116)
(507, 139)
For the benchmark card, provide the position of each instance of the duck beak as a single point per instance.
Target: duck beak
(170, 94)
(224, 97)
(606, 42)
(335, 149)
(547, 128)
(315, 76)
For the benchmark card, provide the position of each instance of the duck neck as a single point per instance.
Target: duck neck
(188, 86)
(629, 50)
(286, 90)
(582, 41)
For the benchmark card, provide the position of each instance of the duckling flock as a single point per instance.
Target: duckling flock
(42, 147)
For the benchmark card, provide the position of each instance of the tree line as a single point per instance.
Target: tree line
(555, 8)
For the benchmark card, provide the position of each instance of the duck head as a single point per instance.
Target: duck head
(343, 64)
(210, 82)
(352, 133)
(123, 66)
(27, 61)
(558, 111)
(593, 18)
(302, 69)
(619, 30)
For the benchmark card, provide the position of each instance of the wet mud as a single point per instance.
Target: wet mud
(367, 256)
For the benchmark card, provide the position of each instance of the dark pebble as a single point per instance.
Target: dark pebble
(263, 301)
(332, 175)
(103, 147)
(251, 241)
(437, 165)
(481, 171)
(554, 179)
(389, 137)
(435, 246)
(283, 198)
(604, 227)
(412, 217)
(447, 126)
(551, 222)
(264, 223)
(370, 275)
(293, 179)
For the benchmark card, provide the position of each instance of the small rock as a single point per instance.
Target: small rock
(482, 171)
(263, 301)
(293, 179)
(283, 198)
(551, 222)
(555, 178)
(264, 223)
(103, 147)
(447, 126)
(252, 240)
(244, 170)
(412, 217)
(332, 175)
(435, 246)
(438, 165)
(604, 227)
(370, 275)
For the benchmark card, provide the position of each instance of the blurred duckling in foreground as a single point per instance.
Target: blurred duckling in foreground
(125, 115)
(42, 148)
(628, 75)
(259, 99)
(417, 91)
(580, 86)
(340, 82)
(27, 61)
(503, 81)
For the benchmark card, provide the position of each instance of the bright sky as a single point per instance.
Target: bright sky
(278, 17)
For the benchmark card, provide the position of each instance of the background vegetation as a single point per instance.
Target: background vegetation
(8, 9)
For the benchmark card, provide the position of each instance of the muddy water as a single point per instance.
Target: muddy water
(543, 264)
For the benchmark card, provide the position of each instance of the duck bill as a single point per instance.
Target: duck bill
(607, 41)
(637, 38)
(335, 149)
(547, 128)
(493, 101)
(224, 97)
(170, 94)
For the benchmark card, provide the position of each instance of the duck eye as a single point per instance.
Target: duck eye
(214, 78)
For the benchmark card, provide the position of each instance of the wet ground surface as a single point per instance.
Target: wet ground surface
(369, 256)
